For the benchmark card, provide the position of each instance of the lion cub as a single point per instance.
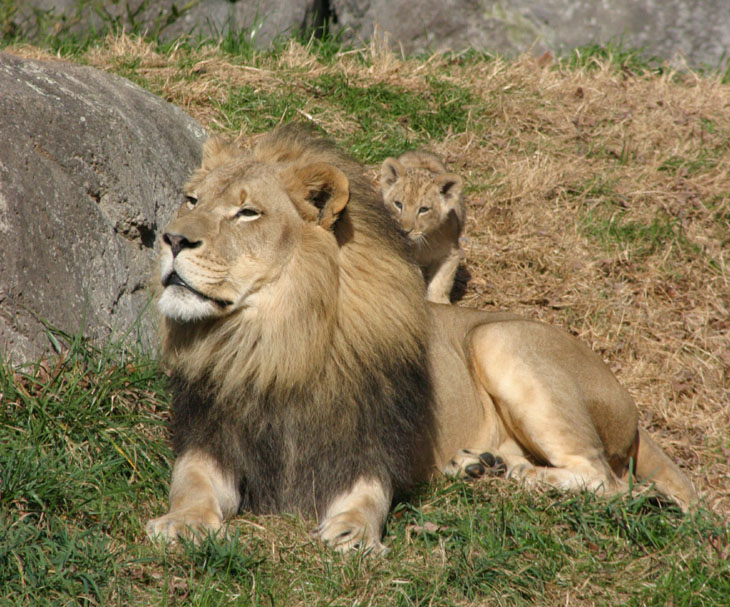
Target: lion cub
(426, 201)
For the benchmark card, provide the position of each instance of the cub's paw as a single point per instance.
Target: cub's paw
(469, 464)
(350, 531)
(194, 525)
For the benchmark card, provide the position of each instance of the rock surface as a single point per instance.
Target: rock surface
(261, 20)
(91, 167)
(674, 30)
(697, 30)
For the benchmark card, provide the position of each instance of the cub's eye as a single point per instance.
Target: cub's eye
(398, 205)
(248, 214)
(191, 200)
(423, 210)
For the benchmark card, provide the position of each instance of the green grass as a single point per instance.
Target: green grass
(85, 461)
(393, 118)
(606, 219)
(81, 445)
(640, 239)
(678, 165)
(254, 110)
(615, 53)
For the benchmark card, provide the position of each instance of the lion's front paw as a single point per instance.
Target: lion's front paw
(190, 524)
(350, 531)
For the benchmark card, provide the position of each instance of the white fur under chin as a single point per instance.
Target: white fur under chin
(177, 303)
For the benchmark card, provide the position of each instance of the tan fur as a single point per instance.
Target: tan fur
(426, 201)
(310, 375)
(543, 403)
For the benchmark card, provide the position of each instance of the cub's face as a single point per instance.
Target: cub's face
(237, 231)
(418, 199)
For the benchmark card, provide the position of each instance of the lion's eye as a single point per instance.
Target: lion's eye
(248, 214)
(423, 210)
(191, 200)
(398, 205)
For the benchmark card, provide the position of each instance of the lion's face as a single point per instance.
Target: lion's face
(238, 229)
(418, 199)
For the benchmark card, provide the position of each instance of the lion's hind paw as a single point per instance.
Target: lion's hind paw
(469, 464)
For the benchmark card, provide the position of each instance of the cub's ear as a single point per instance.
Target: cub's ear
(449, 188)
(320, 191)
(391, 171)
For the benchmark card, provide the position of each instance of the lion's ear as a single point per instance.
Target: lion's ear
(319, 190)
(449, 188)
(390, 171)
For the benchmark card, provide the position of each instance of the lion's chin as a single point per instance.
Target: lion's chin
(182, 305)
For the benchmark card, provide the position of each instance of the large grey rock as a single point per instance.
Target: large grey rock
(91, 167)
(698, 30)
(261, 20)
(432, 25)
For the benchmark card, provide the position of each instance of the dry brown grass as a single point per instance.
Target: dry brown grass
(551, 153)
(660, 320)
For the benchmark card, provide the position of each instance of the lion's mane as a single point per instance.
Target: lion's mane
(329, 382)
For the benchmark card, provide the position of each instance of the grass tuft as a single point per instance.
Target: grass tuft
(635, 239)
(615, 53)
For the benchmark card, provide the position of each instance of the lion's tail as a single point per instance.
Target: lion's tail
(653, 465)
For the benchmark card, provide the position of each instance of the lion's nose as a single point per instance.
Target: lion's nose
(179, 242)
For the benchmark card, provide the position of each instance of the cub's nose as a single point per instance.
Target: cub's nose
(179, 242)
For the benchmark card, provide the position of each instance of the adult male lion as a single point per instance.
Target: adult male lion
(311, 376)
